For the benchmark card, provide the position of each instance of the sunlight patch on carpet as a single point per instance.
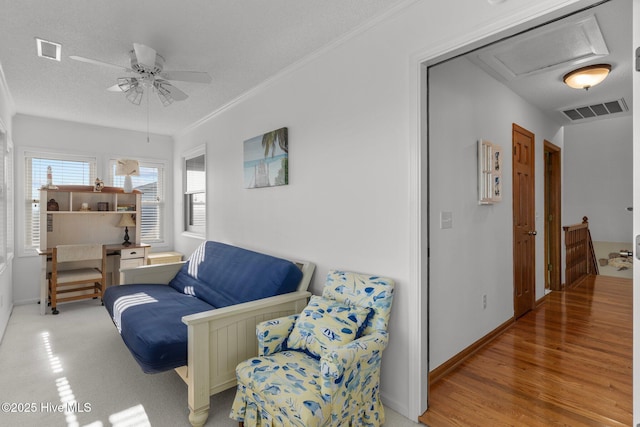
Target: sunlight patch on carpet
(134, 416)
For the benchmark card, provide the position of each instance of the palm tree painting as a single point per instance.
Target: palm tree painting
(266, 160)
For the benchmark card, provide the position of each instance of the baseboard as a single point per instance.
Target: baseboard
(5, 323)
(541, 300)
(436, 374)
(26, 301)
(394, 404)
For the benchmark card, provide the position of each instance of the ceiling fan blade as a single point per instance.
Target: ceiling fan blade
(175, 93)
(186, 76)
(101, 63)
(114, 88)
(146, 55)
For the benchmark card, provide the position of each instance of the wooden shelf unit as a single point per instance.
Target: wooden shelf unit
(71, 224)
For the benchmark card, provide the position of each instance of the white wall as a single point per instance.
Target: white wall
(475, 257)
(6, 276)
(40, 134)
(346, 204)
(598, 177)
(353, 200)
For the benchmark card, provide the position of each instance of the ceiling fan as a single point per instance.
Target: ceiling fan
(148, 66)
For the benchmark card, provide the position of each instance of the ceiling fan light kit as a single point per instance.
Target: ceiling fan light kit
(586, 77)
(148, 65)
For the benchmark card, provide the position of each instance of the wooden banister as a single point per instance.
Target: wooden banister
(580, 255)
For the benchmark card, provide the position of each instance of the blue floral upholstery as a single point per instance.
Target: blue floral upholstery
(285, 387)
(324, 324)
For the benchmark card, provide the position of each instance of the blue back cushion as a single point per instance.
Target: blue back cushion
(224, 275)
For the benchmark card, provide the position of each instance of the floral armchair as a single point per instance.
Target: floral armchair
(321, 367)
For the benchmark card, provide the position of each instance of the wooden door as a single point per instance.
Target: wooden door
(552, 225)
(523, 220)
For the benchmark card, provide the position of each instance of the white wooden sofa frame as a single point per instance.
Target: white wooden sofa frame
(219, 339)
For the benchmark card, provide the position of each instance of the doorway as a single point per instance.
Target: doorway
(448, 203)
(552, 217)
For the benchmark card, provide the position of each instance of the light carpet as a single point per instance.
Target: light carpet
(77, 360)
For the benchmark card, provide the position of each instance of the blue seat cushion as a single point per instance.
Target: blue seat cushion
(149, 319)
(225, 275)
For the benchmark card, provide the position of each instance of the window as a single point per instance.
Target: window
(195, 201)
(151, 183)
(66, 170)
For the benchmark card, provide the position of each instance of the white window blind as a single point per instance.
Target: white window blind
(151, 183)
(195, 202)
(66, 170)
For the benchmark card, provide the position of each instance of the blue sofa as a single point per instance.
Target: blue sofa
(203, 317)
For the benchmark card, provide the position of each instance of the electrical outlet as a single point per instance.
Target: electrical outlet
(484, 301)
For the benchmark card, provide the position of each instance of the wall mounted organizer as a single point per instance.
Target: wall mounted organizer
(489, 172)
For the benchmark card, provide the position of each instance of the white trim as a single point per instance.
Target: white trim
(161, 165)
(200, 150)
(4, 87)
(19, 191)
(193, 235)
(299, 64)
(194, 152)
(418, 353)
(636, 218)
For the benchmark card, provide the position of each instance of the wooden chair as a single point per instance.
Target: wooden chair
(76, 269)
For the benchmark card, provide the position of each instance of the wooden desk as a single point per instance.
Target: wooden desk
(118, 256)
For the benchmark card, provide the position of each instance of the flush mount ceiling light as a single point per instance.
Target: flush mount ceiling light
(586, 77)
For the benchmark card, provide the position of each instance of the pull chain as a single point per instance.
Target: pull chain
(147, 116)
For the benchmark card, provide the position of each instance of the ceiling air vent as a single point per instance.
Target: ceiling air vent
(597, 110)
(47, 49)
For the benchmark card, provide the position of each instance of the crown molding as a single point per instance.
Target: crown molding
(299, 64)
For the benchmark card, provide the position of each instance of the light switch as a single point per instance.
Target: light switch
(446, 220)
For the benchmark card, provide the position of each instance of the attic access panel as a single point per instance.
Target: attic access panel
(573, 43)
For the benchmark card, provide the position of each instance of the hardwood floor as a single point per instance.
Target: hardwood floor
(568, 363)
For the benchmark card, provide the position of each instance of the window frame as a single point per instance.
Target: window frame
(10, 198)
(26, 193)
(161, 203)
(188, 229)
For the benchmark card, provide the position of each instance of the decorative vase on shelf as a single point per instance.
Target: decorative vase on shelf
(128, 186)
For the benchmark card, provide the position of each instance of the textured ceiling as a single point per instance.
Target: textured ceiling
(533, 64)
(239, 43)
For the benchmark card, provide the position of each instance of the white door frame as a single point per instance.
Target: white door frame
(538, 12)
(636, 219)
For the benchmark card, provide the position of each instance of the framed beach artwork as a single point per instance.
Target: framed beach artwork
(266, 160)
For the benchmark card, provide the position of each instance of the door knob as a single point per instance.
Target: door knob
(532, 233)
